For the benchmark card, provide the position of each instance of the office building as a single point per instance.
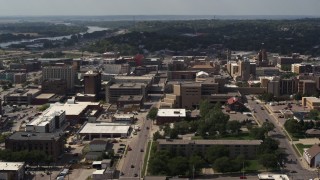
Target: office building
(50, 143)
(21, 96)
(115, 91)
(305, 68)
(262, 58)
(311, 102)
(12, 170)
(60, 71)
(307, 87)
(49, 121)
(286, 62)
(56, 86)
(170, 115)
(92, 82)
(19, 78)
(248, 148)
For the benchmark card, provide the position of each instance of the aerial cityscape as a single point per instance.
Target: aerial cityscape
(231, 92)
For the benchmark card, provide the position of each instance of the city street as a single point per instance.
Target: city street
(293, 163)
(135, 157)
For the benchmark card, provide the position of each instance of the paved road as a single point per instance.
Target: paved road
(278, 134)
(135, 157)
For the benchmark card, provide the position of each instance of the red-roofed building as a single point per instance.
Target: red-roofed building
(235, 104)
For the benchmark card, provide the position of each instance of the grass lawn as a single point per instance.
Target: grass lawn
(301, 147)
(146, 159)
(253, 166)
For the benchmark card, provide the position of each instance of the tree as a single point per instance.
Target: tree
(174, 133)
(196, 163)
(153, 113)
(182, 127)
(293, 126)
(222, 164)
(267, 127)
(268, 160)
(178, 166)
(234, 126)
(205, 107)
(215, 152)
(258, 133)
(157, 136)
(268, 145)
(314, 114)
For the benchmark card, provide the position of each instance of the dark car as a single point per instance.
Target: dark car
(122, 145)
(141, 150)
(132, 166)
(293, 171)
(135, 175)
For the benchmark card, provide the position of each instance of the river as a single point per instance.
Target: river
(91, 29)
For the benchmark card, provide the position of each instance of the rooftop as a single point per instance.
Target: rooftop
(313, 151)
(24, 92)
(11, 166)
(127, 85)
(313, 99)
(21, 135)
(130, 98)
(171, 113)
(45, 96)
(99, 171)
(273, 176)
(45, 117)
(97, 128)
(210, 142)
(72, 109)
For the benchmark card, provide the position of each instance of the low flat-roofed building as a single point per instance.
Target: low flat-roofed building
(170, 115)
(104, 130)
(43, 98)
(273, 177)
(248, 148)
(77, 112)
(49, 121)
(50, 143)
(12, 170)
(311, 102)
(130, 100)
(117, 90)
(22, 96)
(123, 118)
(86, 97)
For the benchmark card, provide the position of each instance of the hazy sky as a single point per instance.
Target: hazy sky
(159, 7)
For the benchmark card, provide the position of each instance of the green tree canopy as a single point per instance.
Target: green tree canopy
(153, 113)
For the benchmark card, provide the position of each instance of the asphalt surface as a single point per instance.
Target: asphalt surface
(293, 161)
(135, 157)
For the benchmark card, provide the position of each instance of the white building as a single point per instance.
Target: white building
(104, 130)
(11, 170)
(273, 177)
(312, 155)
(49, 121)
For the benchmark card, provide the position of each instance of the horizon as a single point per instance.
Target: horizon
(153, 7)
